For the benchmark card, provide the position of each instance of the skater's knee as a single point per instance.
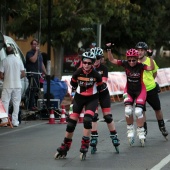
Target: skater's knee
(87, 121)
(95, 117)
(138, 112)
(128, 110)
(71, 125)
(108, 118)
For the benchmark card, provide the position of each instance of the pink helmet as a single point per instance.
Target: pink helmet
(132, 53)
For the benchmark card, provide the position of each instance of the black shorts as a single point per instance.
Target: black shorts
(89, 102)
(104, 99)
(153, 99)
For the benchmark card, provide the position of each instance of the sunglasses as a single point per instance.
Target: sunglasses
(132, 61)
(89, 63)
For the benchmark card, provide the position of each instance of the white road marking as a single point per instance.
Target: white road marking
(5, 133)
(121, 120)
(162, 163)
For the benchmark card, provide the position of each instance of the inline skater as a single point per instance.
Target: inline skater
(104, 101)
(86, 82)
(151, 88)
(135, 91)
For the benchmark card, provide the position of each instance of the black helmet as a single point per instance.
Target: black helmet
(89, 55)
(141, 45)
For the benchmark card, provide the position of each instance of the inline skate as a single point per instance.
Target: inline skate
(115, 141)
(131, 134)
(145, 128)
(141, 135)
(93, 143)
(63, 149)
(84, 147)
(164, 132)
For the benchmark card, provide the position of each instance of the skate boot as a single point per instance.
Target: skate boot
(145, 129)
(141, 135)
(115, 141)
(164, 132)
(93, 142)
(63, 149)
(84, 147)
(131, 134)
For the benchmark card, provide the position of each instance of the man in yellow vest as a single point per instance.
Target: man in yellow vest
(151, 87)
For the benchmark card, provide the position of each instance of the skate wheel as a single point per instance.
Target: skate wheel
(82, 156)
(131, 141)
(57, 156)
(117, 149)
(166, 138)
(93, 150)
(142, 141)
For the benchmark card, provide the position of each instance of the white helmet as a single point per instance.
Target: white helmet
(89, 55)
(97, 51)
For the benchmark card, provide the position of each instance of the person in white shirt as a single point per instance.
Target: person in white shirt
(11, 71)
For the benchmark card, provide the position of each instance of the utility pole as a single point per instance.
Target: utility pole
(49, 54)
(99, 32)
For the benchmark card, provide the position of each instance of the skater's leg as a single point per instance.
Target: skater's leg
(111, 127)
(154, 102)
(94, 133)
(140, 124)
(145, 128)
(108, 119)
(162, 127)
(94, 122)
(141, 135)
(144, 120)
(129, 114)
(161, 123)
(115, 140)
(130, 126)
(63, 149)
(139, 116)
(85, 144)
(65, 146)
(94, 138)
(87, 121)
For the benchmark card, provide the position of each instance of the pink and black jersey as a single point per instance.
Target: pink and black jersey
(86, 83)
(134, 76)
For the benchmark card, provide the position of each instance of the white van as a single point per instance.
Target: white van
(10, 42)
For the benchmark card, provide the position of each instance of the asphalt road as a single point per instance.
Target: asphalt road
(32, 145)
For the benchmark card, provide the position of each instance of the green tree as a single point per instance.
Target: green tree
(148, 21)
(72, 21)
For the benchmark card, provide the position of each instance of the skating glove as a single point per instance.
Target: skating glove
(149, 52)
(109, 46)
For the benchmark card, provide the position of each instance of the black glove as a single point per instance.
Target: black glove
(149, 52)
(109, 46)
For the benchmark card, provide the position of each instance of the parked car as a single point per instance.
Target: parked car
(10, 42)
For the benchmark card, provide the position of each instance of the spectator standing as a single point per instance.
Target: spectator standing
(34, 68)
(12, 70)
(151, 88)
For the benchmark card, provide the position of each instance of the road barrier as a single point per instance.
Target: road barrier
(117, 81)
